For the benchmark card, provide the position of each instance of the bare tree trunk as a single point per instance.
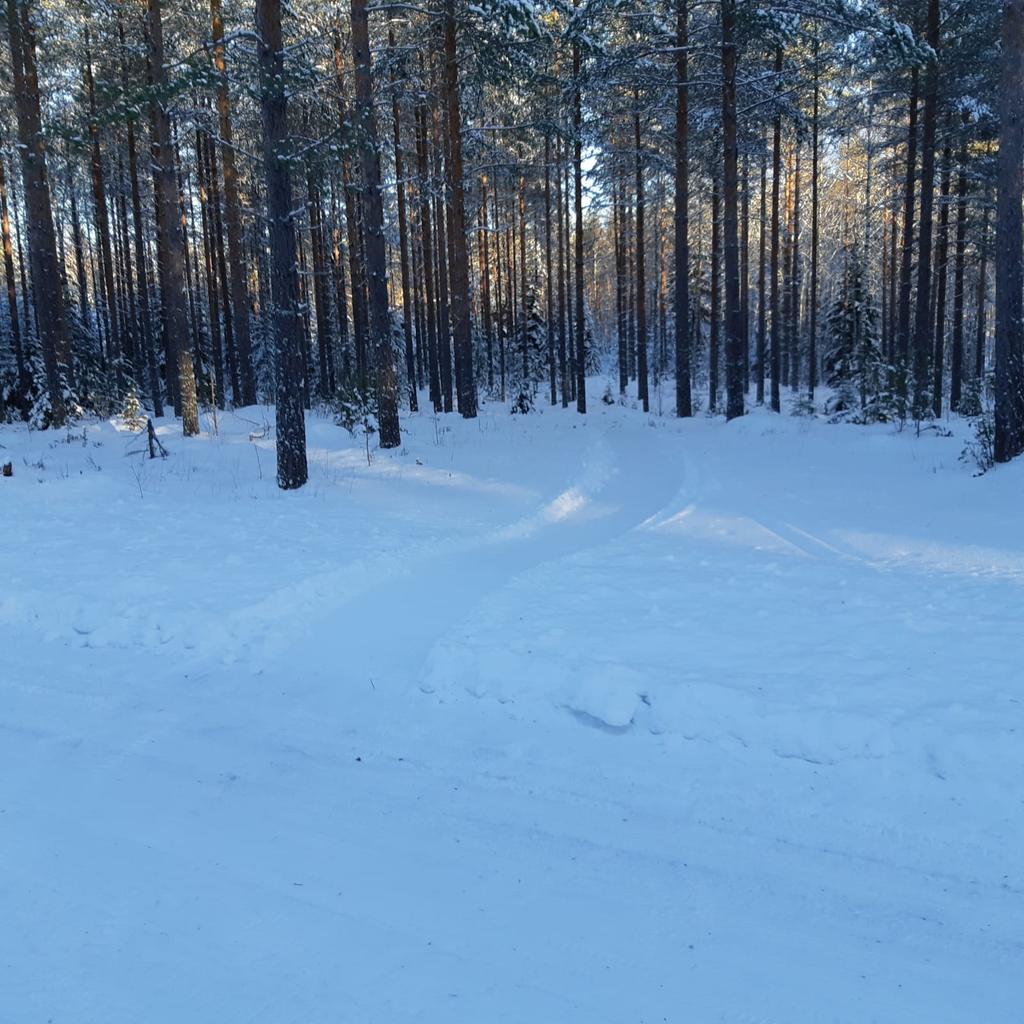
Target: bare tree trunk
(941, 272)
(577, 135)
(373, 234)
(795, 275)
(460, 299)
(172, 242)
(99, 196)
(762, 294)
(549, 281)
(485, 281)
(734, 345)
(403, 242)
(357, 266)
(922, 321)
(812, 336)
(563, 364)
(233, 219)
(12, 291)
(776, 397)
(981, 319)
(714, 334)
(1009, 353)
(54, 338)
(428, 256)
(291, 425)
(444, 323)
(643, 392)
(684, 402)
(906, 253)
(957, 355)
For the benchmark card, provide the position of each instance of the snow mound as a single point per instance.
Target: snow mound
(609, 697)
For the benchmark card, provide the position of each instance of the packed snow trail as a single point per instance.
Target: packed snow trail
(538, 719)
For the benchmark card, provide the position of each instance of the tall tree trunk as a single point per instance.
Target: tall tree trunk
(485, 282)
(684, 402)
(795, 274)
(957, 355)
(205, 175)
(1009, 354)
(373, 234)
(642, 387)
(922, 321)
(563, 363)
(776, 397)
(233, 219)
(99, 196)
(906, 253)
(762, 294)
(942, 275)
(318, 256)
(357, 264)
(138, 243)
(549, 281)
(577, 142)
(812, 334)
(403, 241)
(734, 346)
(981, 318)
(172, 242)
(444, 323)
(423, 168)
(460, 299)
(12, 291)
(291, 425)
(714, 335)
(54, 338)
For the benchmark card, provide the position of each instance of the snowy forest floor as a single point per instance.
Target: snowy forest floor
(535, 720)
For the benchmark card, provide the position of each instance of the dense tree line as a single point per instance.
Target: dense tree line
(351, 204)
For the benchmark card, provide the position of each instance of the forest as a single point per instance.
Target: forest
(510, 511)
(813, 205)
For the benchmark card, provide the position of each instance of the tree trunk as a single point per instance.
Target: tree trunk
(941, 272)
(403, 243)
(642, 388)
(684, 402)
(428, 255)
(714, 334)
(776, 397)
(812, 334)
(12, 291)
(54, 338)
(357, 265)
(99, 196)
(981, 318)
(957, 355)
(291, 426)
(172, 242)
(373, 233)
(762, 294)
(906, 253)
(922, 320)
(734, 345)
(1009, 353)
(577, 136)
(233, 220)
(549, 281)
(563, 363)
(460, 299)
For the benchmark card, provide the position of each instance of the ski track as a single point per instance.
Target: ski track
(347, 819)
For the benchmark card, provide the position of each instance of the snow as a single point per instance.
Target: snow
(538, 718)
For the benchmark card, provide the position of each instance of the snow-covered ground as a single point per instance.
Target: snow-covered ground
(537, 720)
